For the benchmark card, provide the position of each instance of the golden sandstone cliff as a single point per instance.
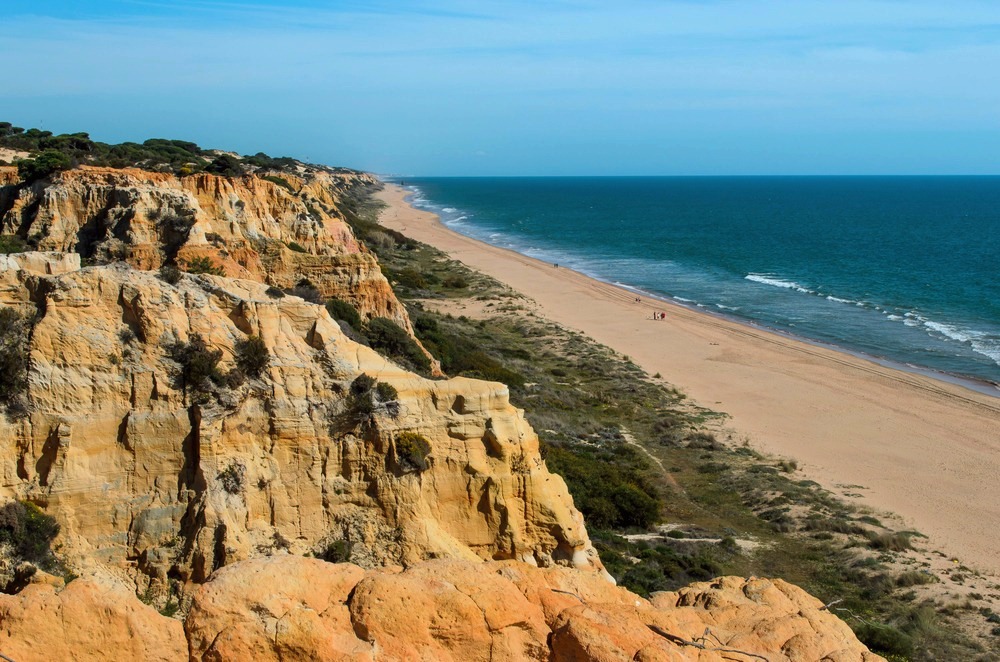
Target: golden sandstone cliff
(247, 225)
(211, 499)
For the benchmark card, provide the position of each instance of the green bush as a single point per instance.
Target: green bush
(170, 274)
(345, 312)
(392, 340)
(412, 450)
(386, 392)
(15, 337)
(280, 181)
(199, 364)
(43, 165)
(274, 292)
(29, 532)
(252, 355)
(203, 265)
(225, 165)
(10, 243)
(885, 640)
(338, 551)
(297, 247)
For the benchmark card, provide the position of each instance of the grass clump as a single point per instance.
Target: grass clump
(297, 247)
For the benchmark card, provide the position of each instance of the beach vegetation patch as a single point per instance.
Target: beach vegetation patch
(45, 164)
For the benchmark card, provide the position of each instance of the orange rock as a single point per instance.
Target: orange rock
(86, 621)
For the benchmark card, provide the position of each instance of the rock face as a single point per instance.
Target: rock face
(245, 224)
(87, 620)
(155, 483)
(291, 608)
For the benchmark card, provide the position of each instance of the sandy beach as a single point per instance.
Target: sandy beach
(897, 442)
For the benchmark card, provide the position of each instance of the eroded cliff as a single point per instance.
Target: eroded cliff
(154, 482)
(279, 229)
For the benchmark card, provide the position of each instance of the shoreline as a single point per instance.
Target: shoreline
(921, 448)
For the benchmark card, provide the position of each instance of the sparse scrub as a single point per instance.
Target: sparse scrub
(345, 312)
(252, 355)
(392, 340)
(232, 478)
(10, 243)
(199, 364)
(29, 532)
(297, 247)
(203, 265)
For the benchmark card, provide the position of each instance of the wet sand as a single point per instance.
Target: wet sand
(924, 449)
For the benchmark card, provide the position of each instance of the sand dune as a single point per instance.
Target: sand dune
(924, 449)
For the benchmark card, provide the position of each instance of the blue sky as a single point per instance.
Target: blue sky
(552, 87)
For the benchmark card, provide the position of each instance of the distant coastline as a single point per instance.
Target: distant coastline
(890, 440)
(887, 294)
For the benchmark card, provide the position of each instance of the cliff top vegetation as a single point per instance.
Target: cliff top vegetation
(52, 152)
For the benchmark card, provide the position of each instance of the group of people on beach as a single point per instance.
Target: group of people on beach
(659, 316)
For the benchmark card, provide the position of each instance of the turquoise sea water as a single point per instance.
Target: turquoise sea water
(905, 269)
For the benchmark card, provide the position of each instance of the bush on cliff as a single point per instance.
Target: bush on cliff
(43, 165)
(15, 337)
(345, 312)
(203, 265)
(391, 339)
(199, 364)
(10, 243)
(412, 450)
(252, 355)
(29, 533)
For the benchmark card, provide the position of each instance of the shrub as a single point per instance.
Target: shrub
(343, 311)
(893, 542)
(203, 265)
(225, 165)
(274, 292)
(43, 165)
(280, 181)
(412, 450)
(199, 364)
(390, 338)
(170, 274)
(252, 355)
(15, 336)
(232, 477)
(307, 291)
(338, 551)
(29, 532)
(10, 243)
(455, 282)
(885, 639)
(297, 247)
(386, 392)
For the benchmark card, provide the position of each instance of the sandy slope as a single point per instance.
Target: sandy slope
(924, 449)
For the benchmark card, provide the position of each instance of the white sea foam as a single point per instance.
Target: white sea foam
(766, 279)
(980, 341)
(839, 300)
(449, 210)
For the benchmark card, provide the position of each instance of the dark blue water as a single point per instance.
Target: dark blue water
(899, 268)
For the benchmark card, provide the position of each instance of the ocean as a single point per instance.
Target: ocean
(905, 270)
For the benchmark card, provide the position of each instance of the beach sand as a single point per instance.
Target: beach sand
(926, 450)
